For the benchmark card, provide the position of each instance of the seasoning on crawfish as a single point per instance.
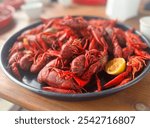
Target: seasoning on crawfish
(66, 53)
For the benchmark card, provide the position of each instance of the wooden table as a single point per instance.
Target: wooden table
(136, 97)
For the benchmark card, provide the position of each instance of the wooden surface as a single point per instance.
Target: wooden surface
(136, 97)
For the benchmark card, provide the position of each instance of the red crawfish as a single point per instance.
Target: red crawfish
(20, 59)
(58, 79)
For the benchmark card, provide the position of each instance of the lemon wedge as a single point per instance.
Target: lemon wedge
(115, 66)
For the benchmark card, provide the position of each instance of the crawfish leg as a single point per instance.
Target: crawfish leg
(59, 90)
(99, 86)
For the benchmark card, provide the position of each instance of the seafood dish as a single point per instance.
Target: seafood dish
(73, 55)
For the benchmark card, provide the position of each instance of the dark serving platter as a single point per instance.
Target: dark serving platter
(29, 80)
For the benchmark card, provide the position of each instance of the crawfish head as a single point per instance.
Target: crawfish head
(13, 63)
(85, 66)
(56, 63)
(71, 48)
(92, 56)
(20, 59)
(26, 61)
(58, 78)
(78, 65)
(97, 58)
(40, 60)
(135, 41)
(88, 64)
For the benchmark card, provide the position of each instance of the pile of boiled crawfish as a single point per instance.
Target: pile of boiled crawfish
(67, 53)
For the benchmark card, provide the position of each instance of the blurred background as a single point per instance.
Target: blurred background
(16, 14)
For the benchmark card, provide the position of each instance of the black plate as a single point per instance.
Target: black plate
(29, 81)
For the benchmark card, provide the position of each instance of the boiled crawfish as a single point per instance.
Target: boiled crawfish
(67, 53)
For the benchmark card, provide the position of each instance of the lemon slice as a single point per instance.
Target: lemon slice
(115, 66)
